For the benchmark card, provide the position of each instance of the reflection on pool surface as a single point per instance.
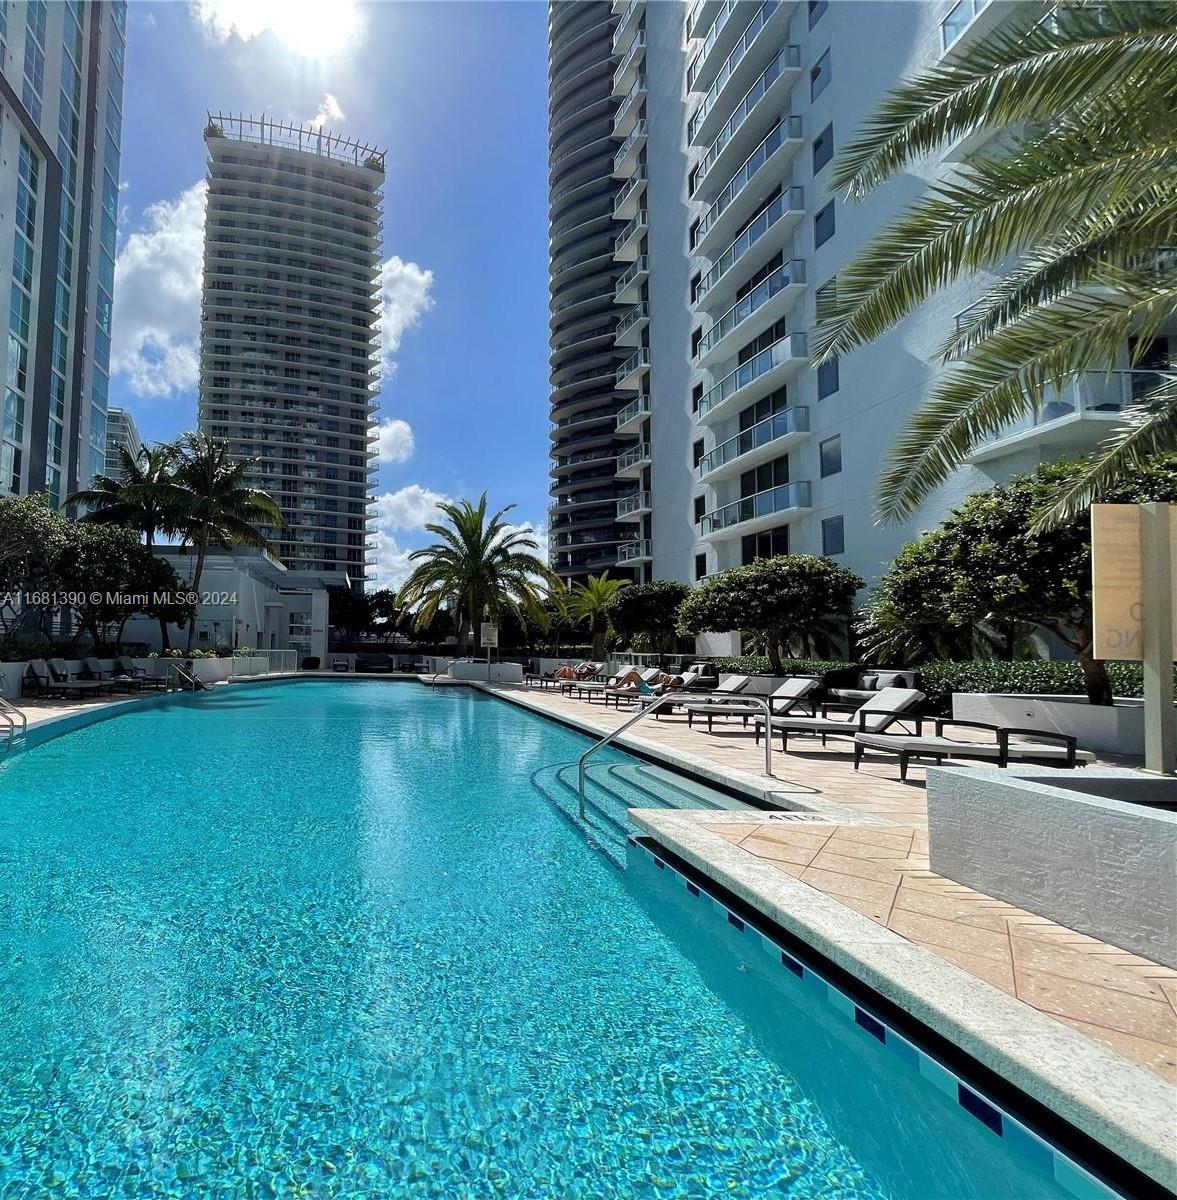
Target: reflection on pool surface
(327, 939)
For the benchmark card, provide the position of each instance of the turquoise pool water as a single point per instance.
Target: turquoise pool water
(328, 939)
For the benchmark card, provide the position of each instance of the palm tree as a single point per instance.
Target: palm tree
(218, 508)
(1082, 198)
(586, 604)
(481, 568)
(146, 496)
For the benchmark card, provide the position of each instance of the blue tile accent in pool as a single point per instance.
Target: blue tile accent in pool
(1045, 1158)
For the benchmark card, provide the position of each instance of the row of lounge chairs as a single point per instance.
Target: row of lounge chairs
(50, 677)
(888, 722)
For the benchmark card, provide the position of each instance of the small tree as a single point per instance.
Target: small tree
(349, 611)
(649, 609)
(158, 579)
(31, 536)
(790, 600)
(985, 565)
(385, 614)
(588, 605)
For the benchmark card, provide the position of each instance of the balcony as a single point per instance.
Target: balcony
(625, 244)
(633, 508)
(701, 16)
(767, 232)
(634, 552)
(628, 287)
(629, 109)
(753, 513)
(754, 379)
(963, 19)
(1075, 418)
(627, 71)
(633, 461)
(628, 201)
(625, 161)
(717, 42)
(628, 23)
(739, 69)
(767, 301)
(629, 328)
(743, 193)
(737, 139)
(600, 454)
(750, 447)
(630, 372)
(630, 418)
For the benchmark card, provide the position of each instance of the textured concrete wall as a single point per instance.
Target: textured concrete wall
(1116, 730)
(1103, 867)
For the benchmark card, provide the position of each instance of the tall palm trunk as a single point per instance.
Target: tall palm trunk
(201, 550)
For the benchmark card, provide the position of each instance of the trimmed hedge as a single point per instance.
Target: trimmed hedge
(758, 664)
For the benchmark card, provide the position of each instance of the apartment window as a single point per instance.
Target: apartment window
(696, 338)
(833, 536)
(827, 378)
(696, 279)
(823, 225)
(700, 508)
(823, 148)
(693, 180)
(816, 8)
(770, 543)
(694, 232)
(696, 396)
(830, 452)
(819, 76)
(700, 566)
(764, 477)
(697, 453)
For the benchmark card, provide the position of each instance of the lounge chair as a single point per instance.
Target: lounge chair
(147, 679)
(119, 681)
(583, 670)
(374, 663)
(53, 679)
(1047, 748)
(589, 686)
(791, 694)
(648, 675)
(651, 689)
(731, 686)
(883, 710)
(340, 664)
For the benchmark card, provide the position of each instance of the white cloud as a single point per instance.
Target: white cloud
(156, 330)
(404, 296)
(307, 27)
(538, 533)
(329, 110)
(394, 441)
(389, 561)
(408, 508)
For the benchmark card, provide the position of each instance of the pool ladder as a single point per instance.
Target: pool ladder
(176, 678)
(760, 702)
(16, 726)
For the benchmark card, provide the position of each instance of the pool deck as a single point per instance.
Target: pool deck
(1083, 1025)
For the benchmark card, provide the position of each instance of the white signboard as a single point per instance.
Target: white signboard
(489, 636)
(1117, 590)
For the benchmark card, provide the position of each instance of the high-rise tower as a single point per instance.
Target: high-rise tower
(61, 95)
(289, 325)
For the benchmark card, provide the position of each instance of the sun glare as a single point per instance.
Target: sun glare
(312, 28)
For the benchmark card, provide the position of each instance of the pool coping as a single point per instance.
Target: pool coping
(1119, 1105)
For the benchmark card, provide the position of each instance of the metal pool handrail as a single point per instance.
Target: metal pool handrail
(666, 698)
(197, 685)
(11, 715)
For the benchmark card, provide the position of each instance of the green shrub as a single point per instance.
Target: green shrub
(758, 664)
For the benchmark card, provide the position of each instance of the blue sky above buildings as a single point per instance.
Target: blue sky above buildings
(456, 93)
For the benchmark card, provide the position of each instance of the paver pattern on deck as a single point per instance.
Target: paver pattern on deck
(881, 871)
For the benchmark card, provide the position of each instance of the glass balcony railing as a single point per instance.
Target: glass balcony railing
(629, 551)
(756, 299)
(791, 346)
(641, 266)
(634, 409)
(632, 98)
(740, 180)
(635, 48)
(631, 227)
(636, 181)
(639, 312)
(779, 425)
(737, 119)
(635, 362)
(1094, 393)
(638, 502)
(733, 60)
(632, 457)
(721, 19)
(636, 135)
(762, 504)
(790, 201)
(958, 20)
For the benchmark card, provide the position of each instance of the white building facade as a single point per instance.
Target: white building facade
(61, 94)
(732, 115)
(121, 433)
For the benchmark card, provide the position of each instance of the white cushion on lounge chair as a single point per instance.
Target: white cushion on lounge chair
(796, 687)
(881, 709)
(896, 742)
(732, 686)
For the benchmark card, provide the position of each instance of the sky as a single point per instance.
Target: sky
(456, 93)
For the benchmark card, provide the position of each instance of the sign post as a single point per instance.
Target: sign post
(1133, 553)
(489, 634)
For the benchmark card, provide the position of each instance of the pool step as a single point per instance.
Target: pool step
(612, 788)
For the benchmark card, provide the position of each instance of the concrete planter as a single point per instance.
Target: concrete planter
(495, 672)
(1116, 729)
(1093, 850)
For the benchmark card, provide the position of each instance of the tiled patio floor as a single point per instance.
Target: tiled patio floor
(881, 871)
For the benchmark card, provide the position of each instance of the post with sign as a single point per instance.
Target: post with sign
(489, 636)
(1133, 552)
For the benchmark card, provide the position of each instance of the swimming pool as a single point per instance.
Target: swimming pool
(329, 939)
